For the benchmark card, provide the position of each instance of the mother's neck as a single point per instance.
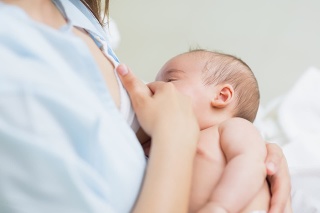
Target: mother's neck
(43, 11)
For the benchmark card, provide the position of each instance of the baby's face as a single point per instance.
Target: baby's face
(185, 72)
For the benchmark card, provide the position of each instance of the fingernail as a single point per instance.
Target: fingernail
(271, 167)
(122, 70)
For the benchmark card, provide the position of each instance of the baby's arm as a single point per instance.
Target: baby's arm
(245, 171)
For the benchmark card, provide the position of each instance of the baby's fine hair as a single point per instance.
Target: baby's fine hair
(223, 68)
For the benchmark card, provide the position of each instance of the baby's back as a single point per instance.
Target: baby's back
(209, 164)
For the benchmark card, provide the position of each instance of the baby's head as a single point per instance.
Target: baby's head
(221, 86)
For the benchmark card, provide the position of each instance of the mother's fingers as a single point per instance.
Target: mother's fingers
(274, 158)
(137, 90)
(159, 85)
(280, 190)
(279, 179)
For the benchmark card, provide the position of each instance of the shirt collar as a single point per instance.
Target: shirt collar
(81, 17)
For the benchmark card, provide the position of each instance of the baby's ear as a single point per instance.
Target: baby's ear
(223, 96)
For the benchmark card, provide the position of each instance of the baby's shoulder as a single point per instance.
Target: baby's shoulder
(235, 124)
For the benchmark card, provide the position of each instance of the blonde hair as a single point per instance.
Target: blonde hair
(223, 68)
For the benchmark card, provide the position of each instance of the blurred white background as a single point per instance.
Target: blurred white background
(278, 39)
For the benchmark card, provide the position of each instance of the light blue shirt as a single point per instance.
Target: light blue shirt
(64, 146)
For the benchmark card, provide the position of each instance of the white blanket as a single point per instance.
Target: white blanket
(293, 122)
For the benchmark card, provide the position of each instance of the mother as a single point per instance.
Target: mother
(65, 142)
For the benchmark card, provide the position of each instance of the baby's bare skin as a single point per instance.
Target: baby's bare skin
(209, 164)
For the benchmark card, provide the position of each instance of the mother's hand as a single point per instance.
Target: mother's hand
(167, 116)
(279, 178)
(159, 106)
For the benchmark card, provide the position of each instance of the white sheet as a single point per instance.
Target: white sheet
(293, 122)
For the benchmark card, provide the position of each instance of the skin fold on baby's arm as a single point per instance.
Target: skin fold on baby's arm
(245, 172)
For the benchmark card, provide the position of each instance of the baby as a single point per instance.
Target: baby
(229, 171)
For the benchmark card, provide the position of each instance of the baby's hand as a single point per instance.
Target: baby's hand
(212, 208)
